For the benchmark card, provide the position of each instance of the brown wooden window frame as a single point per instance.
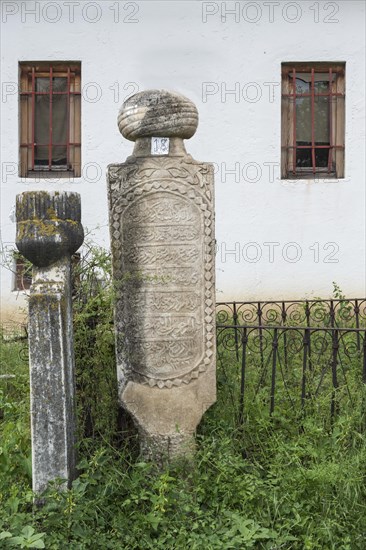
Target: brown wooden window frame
(29, 71)
(336, 105)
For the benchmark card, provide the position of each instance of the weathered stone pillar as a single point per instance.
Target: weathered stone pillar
(48, 233)
(162, 237)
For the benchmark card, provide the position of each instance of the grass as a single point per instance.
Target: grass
(289, 481)
(270, 485)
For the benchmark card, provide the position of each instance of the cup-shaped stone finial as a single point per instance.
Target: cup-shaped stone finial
(157, 113)
(48, 226)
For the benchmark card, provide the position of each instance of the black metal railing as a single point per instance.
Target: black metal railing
(291, 356)
(299, 368)
(310, 313)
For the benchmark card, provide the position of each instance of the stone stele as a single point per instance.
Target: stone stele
(48, 233)
(162, 238)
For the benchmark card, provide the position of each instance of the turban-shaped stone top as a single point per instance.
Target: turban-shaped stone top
(157, 113)
(48, 226)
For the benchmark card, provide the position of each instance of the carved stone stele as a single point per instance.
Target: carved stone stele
(162, 239)
(48, 233)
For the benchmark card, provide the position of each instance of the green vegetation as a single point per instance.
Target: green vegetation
(286, 482)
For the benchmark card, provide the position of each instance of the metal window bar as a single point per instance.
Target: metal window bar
(33, 113)
(294, 153)
(313, 121)
(68, 118)
(330, 121)
(51, 122)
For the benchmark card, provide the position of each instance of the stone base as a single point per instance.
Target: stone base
(167, 418)
(167, 447)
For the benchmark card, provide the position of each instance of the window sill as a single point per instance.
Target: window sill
(50, 174)
(313, 179)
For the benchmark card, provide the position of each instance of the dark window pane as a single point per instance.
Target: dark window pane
(42, 134)
(303, 119)
(41, 155)
(43, 85)
(321, 158)
(321, 87)
(302, 87)
(321, 120)
(321, 113)
(303, 157)
(304, 122)
(59, 119)
(41, 122)
(59, 84)
(59, 155)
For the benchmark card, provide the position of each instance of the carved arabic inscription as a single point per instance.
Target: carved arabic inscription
(163, 253)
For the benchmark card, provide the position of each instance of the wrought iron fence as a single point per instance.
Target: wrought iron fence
(299, 354)
(310, 313)
(294, 368)
(293, 355)
(12, 332)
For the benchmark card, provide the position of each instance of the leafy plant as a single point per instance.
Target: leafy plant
(28, 538)
(96, 382)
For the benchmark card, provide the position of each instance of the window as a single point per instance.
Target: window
(50, 125)
(313, 120)
(23, 273)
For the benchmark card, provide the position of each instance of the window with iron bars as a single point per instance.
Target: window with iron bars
(313, 120)
(50, 119)
(23, 272)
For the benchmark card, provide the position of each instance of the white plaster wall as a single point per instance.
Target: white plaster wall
(163, 44)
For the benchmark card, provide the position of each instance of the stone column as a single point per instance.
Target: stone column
(48, 233)
(162, 240)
